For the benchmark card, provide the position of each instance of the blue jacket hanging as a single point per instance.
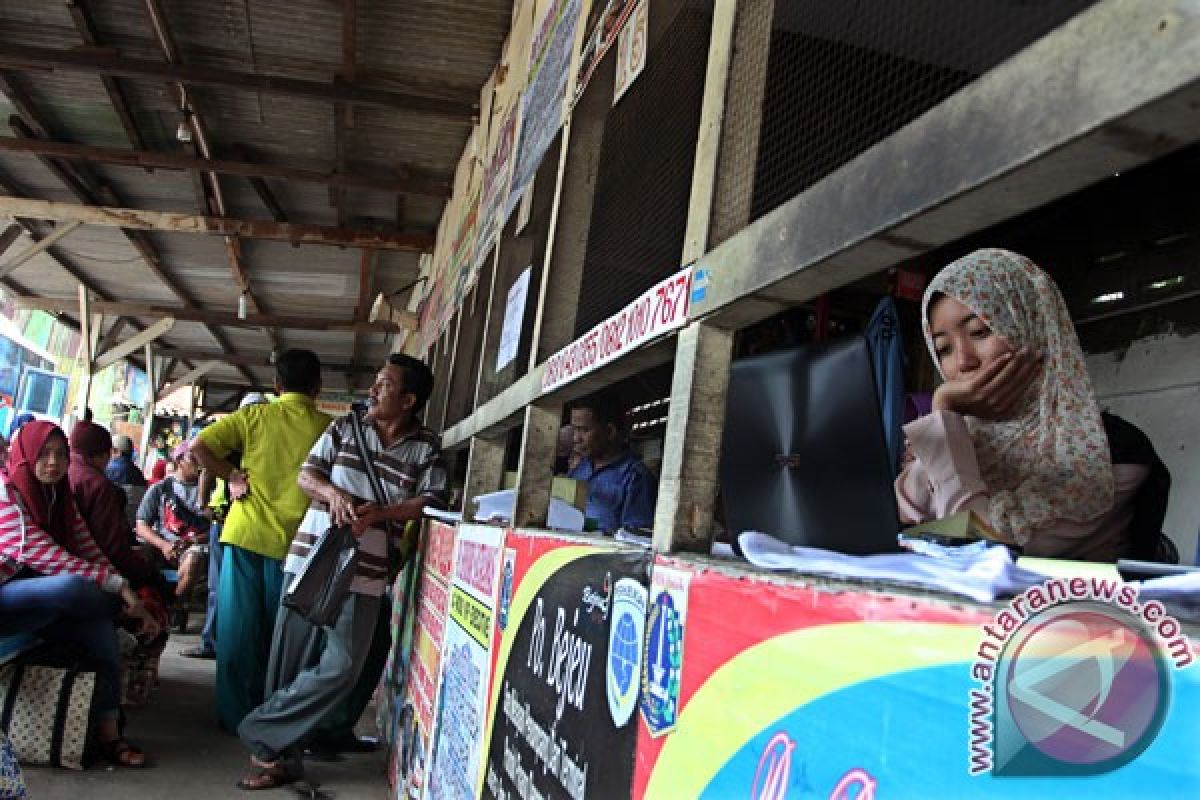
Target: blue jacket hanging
(887, 356)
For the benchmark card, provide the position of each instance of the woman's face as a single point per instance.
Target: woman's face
(962, 341)
(52, 460)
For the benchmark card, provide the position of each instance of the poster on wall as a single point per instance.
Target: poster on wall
(466, 658)
(514, 315)
(565, 680)
(413, 707)
(841, 693)
(631, 50)
(545, 92)
(495, 188)
(605, 23)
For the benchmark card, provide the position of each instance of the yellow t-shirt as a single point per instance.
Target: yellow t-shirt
(274, 439)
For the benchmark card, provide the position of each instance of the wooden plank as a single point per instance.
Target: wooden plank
(687, 487)
(189, 377)
(150, 159)
(59, 232)
(15, 56)
(130, 345)
(708, 140)
(87, 31)
(175, 222)
(228, 318)
(85, 346)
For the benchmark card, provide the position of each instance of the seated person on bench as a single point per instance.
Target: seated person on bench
(55, 582)
(172, 519)
(621, 489)
(1016, 434)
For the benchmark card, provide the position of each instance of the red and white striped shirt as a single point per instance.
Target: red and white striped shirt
(24, 544)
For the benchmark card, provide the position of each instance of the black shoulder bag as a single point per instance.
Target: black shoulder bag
(319, 589)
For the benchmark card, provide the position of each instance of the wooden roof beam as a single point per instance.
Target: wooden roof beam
(20, 57)
(256, 361)
(174, 222)
(227, 318)
(87, 30)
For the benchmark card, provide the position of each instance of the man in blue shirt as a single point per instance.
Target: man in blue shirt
(621, 489)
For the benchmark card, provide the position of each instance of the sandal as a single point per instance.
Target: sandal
(268, 776)
(120, 753)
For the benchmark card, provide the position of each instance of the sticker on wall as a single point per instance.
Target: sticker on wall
(663, 663)
(506, 586)
(625, 649)
(700, 279)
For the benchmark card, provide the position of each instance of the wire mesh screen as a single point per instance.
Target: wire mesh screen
(640, 208)
(816, 82)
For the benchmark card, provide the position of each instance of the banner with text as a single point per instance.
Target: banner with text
(816, 692)
(565, 681)
(466, 663)
(660, 309)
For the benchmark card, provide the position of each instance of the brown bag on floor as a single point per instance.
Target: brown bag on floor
(44, 711)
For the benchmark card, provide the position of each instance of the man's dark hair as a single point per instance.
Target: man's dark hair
(418, 377)
(298, 371)
(606, 408)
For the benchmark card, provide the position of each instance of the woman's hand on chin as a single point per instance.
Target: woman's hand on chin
(995, 390)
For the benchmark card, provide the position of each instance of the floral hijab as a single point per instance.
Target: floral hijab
(1052, 461)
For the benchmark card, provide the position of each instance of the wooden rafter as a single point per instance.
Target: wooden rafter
(366, 268)
(174, 222)
(15, 56)
(255, 361)
(227, 318)
(432, 187)
(87, 31)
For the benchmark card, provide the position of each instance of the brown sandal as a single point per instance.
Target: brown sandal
(267, 776)
(120, 753)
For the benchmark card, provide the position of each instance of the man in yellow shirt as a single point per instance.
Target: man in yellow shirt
(274, 440)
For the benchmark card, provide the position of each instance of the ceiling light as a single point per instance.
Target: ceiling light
(1111, 297)
(242, 305)
(1167, 283)
(184, 132)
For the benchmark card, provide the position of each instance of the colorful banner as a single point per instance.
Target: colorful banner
(797, 691)
(466, 663)
(605, 23)
(565, 680)
(542, 105)
(413, 714)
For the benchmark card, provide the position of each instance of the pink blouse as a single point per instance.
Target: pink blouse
(944, 479)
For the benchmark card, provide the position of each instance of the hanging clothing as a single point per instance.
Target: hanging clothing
(887, 357)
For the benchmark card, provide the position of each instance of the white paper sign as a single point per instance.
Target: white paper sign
(514, 314)
(660, 309)
(631, 51)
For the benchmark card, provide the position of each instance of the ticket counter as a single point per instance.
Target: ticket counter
(545, 665)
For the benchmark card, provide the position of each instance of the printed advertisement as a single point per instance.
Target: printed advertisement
(631, 50)
(466, 663)
(566, 679)
(605, 23)
(414, 713)
(1072, 689)
(495, 189)
(545, 93)
(514, 315)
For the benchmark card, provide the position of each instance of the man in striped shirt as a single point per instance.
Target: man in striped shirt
(408, 461)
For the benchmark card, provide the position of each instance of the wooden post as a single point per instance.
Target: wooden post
(692, 451)
(687, 488)
(539, 442)
(152, 371)
(86, 345)
(485, 470)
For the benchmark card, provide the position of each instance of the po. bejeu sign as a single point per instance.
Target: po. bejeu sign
(660, 309)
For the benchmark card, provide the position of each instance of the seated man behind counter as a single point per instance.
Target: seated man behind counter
(621, 489)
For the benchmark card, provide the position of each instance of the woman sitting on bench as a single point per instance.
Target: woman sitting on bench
(55, 582)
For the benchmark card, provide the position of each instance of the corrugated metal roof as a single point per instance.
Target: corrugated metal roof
(435, 48)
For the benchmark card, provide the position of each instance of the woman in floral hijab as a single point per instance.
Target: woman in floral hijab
(1016, 434)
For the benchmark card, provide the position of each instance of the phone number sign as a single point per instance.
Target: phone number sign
(659, 310)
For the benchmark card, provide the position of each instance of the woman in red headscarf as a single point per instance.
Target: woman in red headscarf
(55, 581)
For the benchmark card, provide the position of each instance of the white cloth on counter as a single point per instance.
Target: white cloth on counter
(498, 507)
(978, 571)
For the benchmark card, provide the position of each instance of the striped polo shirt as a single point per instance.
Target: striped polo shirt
(411, 467)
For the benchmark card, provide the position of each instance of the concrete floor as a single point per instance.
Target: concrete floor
(191, 757)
